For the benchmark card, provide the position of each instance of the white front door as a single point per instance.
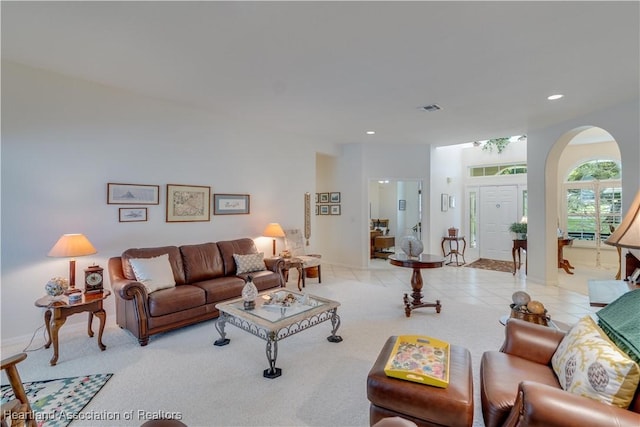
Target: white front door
(498, 209)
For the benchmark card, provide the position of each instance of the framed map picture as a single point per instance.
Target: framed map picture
(188, 203)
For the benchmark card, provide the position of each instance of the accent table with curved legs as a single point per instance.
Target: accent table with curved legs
(58, 311)
(417, 263)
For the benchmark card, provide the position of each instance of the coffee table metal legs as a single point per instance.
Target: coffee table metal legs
(273, 337)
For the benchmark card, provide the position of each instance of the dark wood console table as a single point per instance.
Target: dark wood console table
(518, 246)
(418, 263)
(562, 262)
(454, 249)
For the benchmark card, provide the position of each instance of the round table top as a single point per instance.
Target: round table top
(423, 261)
(57, 302)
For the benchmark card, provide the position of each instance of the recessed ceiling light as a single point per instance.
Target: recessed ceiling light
(430, 108)
(554, 97)
(370, 132)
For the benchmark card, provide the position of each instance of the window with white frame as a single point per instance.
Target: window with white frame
(592, 201)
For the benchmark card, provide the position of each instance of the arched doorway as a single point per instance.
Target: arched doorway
(578, 146)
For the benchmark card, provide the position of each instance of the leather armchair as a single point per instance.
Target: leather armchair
(518, 386)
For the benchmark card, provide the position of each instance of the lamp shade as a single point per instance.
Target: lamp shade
(72, 245)
(273, 230)
(627, 235)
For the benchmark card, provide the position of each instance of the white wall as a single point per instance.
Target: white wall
(64, 139)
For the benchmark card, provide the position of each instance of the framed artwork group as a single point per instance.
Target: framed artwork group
(328, 203)
(184, 203)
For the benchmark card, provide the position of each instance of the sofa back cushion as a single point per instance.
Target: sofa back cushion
(230, 247)
(202, 262)
(588, 364)
(175, 259)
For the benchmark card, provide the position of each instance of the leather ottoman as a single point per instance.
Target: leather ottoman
(423, 404)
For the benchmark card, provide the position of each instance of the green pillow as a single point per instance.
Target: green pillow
(621, 322)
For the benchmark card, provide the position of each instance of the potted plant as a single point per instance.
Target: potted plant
(520, 230)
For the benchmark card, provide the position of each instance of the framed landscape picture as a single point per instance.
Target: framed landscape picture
(133, 194)
(324, 210)
(334, 197)
(335, 209)
(188, 203)
(132, 214)
(324, 198)
(231, 204)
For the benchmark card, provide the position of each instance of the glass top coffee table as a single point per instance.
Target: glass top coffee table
(277, 315)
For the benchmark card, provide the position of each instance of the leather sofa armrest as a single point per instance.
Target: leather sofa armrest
(543, 405)
(531, 341)
(275, 264)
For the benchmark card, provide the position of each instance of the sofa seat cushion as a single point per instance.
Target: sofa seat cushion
(221, 288)
(500, 374)
(202, 262)
(172, 300)
(263, 279)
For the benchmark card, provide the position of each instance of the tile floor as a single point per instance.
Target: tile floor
(567, 302)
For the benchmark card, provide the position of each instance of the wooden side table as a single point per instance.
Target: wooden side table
(58, 311)
(518, 246)
(293, 263)
(454, 250)
(423, 261)
(563, 263)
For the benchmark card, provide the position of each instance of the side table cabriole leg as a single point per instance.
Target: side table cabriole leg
(272, 355)
(220, 324)
(102, 315)
(47, 324)
(58, 321)
(335, 324)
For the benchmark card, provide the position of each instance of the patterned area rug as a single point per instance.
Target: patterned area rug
(492, 264)
(57, 403)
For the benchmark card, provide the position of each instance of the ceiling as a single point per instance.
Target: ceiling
(333, 70)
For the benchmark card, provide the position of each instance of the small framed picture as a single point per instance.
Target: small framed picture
(324, 198)
(635, 275)
(334, 197)
(335, 209)
(317, 210)
(324, 210)
(132, 214)
(402, 205)
(231, 204)
(444, 202)
(317, 197)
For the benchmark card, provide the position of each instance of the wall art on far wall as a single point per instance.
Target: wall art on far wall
(132, 214)
(133, 194)
(444, 202)
(334, 197)
(324, 210)
(231, 204)
(188, 203)
(324, 197)
(402, 205)
(335, 209)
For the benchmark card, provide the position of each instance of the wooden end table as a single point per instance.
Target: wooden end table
(58, 311)
(417, 263)
(518, 246)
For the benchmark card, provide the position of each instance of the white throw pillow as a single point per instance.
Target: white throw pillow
(588, 364)
(249, 263)
(154, 273)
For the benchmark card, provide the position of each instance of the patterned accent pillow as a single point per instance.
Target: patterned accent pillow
(588, 364)
(249, 263)
(154, 273)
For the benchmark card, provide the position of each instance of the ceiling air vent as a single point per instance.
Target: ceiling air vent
(431, 107)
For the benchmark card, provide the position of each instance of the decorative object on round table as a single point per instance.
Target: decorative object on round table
(531, 311)
(520, 298)
(56, 286)
(249, 294)
(411, 246)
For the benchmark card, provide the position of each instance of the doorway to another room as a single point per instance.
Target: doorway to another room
(395, 211)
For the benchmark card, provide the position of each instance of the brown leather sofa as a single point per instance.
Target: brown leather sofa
(205, 275)
(519, 388)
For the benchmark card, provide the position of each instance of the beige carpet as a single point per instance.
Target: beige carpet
(492, 264)
(323, 384)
